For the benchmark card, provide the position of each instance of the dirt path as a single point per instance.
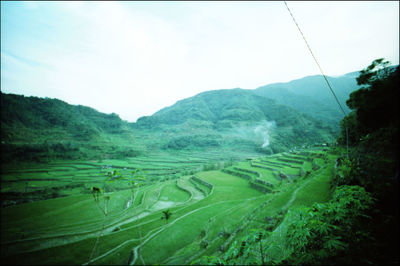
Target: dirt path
(183, 216)
(150, 235)
(293, 197)
(165, 227)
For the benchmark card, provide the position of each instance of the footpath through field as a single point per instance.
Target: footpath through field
(209, 211)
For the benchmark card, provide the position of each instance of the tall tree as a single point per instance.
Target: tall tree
(374, 122)
(374, 133)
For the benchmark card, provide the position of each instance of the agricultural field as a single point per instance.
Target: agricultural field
(187, 206)
(31, 182)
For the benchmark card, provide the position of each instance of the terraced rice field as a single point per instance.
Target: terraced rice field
(209, 209)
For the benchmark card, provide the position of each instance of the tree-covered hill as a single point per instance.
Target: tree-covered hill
(32, 115)
(232, 117)
(222, 109)
(312, 96)
(272, 118)
(358, 224)
(309, 95)
(34, 128)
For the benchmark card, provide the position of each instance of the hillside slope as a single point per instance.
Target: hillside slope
(222, 109)
(312, 96)
(234, 117)
(35, 128)
(270, 119)
(33, 114)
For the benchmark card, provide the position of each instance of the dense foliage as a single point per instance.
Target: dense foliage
(235, 118)
(359, 225)
(224, 109)
(334, 232)
(373, 122)
(373, 127)
(37, 129)
(37, 114)
(311, 96)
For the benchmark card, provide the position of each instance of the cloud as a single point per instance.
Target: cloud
(263, 131)
(135, 58)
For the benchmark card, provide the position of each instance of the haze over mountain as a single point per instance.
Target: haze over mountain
(271, 118)
(312, 96)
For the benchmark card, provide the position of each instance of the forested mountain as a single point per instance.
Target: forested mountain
(269, 119)
(222, 109)
(312, 96)
(231, 117)
(32, 115)
(34, 128)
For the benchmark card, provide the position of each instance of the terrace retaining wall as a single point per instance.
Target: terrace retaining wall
(247, 171)
(259, 187)
(281, 164)
(242, 175)
(263, 167)
(263, 182)
(201, 181)
(290, 161)
(181, 188)
(196, 185)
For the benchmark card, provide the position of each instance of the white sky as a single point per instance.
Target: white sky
(134, 58)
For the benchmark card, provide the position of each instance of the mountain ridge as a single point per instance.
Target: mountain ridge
(311, 95)
(218, 118)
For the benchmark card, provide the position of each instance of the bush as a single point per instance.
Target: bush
(321, 232)
(344, 173)
(191, 141)
(204, 243)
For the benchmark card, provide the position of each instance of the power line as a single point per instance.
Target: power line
(315, 59)
(322, 72)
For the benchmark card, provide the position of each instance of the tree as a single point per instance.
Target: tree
(375, 108)
(325, 233)
(374, 129)
(166, 216)
(377, 70)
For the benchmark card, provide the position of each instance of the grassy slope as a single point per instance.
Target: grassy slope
(43, 230)
(37, 129)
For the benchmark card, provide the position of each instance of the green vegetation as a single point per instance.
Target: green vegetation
(224, 177)
(311, 96)
(357, 225)
(373, 126)
(110, 229)
(43, 130)
(323, 231)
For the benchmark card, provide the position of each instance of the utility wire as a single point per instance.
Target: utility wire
(322, 72)
(315, 59)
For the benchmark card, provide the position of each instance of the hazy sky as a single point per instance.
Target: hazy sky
(134, 58)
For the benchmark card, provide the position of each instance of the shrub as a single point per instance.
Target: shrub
(204, 243)
(208, 260)
(324, 231)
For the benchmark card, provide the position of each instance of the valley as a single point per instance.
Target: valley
(223, 177)
(210, 209)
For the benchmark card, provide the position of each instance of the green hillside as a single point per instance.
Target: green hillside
(40, 129)
(34, 128)
(35, 114)
(198, 187)
(312, 96)
(236, 117)
(125, 224)
(220, 109)
(270, 119)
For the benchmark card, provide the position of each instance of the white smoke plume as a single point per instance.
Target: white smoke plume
(263, 131)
